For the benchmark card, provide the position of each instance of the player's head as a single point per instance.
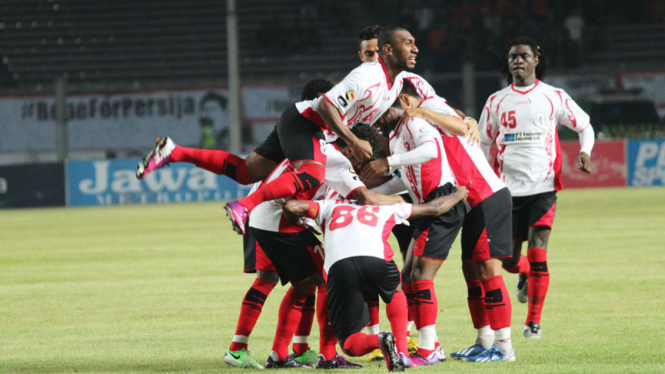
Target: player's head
(408, 97)
(315, 88)
(525, 61)
(368, 46)
(362, 132)
(397, 47)
(387, 122)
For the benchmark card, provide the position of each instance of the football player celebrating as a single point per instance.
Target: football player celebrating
(358, 255)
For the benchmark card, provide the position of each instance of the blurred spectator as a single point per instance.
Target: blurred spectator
(656, 11)
(574, 25)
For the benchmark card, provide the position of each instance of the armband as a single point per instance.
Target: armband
(312, 210)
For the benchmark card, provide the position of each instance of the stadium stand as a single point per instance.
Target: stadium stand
(105, 42)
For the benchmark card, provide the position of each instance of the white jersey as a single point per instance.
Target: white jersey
(420, 179)
(362, 96)
(340, 178)
(351, 230)
(523, 120)
(467, 161)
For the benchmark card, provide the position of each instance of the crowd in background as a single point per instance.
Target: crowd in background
(449, 32)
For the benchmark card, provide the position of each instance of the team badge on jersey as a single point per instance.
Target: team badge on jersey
(350, 95)
(355, 176)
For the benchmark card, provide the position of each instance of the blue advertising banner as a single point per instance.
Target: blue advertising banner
(646, 163)
(113, 182)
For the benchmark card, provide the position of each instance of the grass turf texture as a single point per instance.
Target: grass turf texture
(140, 289)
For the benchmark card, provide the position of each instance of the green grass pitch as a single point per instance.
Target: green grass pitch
(144, 289)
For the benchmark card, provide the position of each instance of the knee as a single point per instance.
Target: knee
(303, 287)
(509, 262)
(269, 276)
(424, 269)
(488, 269)
(538, 237)
(468, 270)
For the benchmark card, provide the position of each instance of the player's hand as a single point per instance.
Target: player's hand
(584, 162)
(413, 113)
(472, 126)
(362, 150)
(374, 168)
(462, 193)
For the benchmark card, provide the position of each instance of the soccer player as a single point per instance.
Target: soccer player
(295, 253)
(522, 120)
(419, 158)
(368, 51)
(358, 255)
(364, 95)
(368, 45)
(255, 258)
(486, 232)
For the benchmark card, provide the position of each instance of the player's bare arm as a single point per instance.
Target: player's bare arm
(295, 209)
(452, 124)
(584, 162)
(365, 196)
(440, 205)
(362, 150)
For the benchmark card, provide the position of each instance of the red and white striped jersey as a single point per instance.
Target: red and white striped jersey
(523, 120)
(362, 96)
(420, 179)
(467, 161)
(351, 230)
(340, 178)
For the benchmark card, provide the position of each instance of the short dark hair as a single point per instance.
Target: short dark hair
(368, 33)
(409, 89)
(364, 132)
(314, 87)
(387, 36)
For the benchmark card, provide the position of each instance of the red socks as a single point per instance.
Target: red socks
(326, 334)
(397, 312)
(373, 307)
(300, 340)
(290, 312)
(218, 162)
(360, 344)
(426, 309)
(539, 281)
(476, 301)
(308, 176)
(497, 302)
(522, 266)
(425, 303)
(250, 312)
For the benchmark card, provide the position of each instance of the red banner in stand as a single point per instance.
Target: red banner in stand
(607, 157)
(608, 160)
